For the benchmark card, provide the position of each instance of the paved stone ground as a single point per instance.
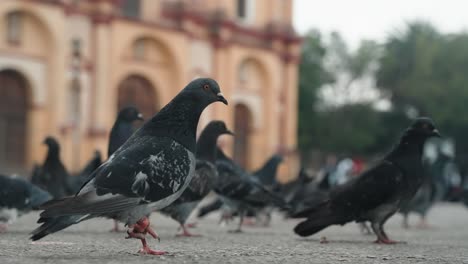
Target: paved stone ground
(90, 242)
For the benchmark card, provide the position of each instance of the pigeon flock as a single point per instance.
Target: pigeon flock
(162, 167)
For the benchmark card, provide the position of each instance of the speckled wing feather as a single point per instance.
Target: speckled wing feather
(146, 168)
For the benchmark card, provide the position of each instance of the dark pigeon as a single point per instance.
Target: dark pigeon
(77, 181)
(379, 192)
(52, 176)
(148, 172)
(123, 128)
(121, 131)
(240, 191)
(205, 178)
(17, 197)
(267, 173)
(212, 206)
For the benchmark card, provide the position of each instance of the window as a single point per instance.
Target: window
(131, 8)
(76, 47)
(245, 10)
(241, 8)
(139, 49)
(14, 27)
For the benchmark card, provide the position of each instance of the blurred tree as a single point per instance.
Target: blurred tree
(351, 129)
(424, 73)
(312, 75)
(351, 70)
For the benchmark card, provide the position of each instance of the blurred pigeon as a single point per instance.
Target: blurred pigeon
(52, 175)
(148, 172)
(17, 197)
(240, 191)
(121, 131)
(75, 182)
(214, 205)
(205, 178)
(420, 204)
(267, 173)
(123, 128)
(379, 192)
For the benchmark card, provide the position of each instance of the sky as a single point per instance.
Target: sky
(375, 19)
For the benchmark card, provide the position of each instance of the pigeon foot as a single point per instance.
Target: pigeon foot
(186, 233)
(116, 228)
(149, 251)
(191, 225)
(388, 242)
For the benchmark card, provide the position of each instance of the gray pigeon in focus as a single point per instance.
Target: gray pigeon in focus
(147, 173)
(17, 197)
(378, 193)
(205, 178)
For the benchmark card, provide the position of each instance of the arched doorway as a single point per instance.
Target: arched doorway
(242, 129)
(13, 114)
(138, 91)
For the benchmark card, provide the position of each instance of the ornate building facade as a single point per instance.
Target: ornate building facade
(67, 66)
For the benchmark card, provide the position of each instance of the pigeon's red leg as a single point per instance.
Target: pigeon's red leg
(191, 225)
(116, 227)
(3, 228)
(382, 237)
(139, 231)
(423, 224)
(146, 250)
(186, 233)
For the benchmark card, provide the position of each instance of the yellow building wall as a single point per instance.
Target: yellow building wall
(177, 53)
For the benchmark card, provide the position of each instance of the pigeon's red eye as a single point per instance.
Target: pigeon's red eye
(206, 87)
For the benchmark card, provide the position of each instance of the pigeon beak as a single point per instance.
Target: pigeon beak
(435, 133)
(140, 117)
(222, 99)
(229, 132)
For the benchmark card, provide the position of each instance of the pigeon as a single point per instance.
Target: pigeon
(379, 192)
(205, 177)
(82, 177)
(17, 197)
(121, 131)
(240, 191)
(52, 176)
(267, 173)
(212, 206)
(147, 173)
(123, 128)
(422, 201)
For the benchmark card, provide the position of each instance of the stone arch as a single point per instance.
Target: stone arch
(15, 104)
(139, 91)
(242, 130)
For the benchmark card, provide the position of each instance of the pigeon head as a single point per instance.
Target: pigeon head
(130, 114)
(206, 145)
(422, 128)
(178, 120)
(52, 144)
(217, 128)
(205, 90)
